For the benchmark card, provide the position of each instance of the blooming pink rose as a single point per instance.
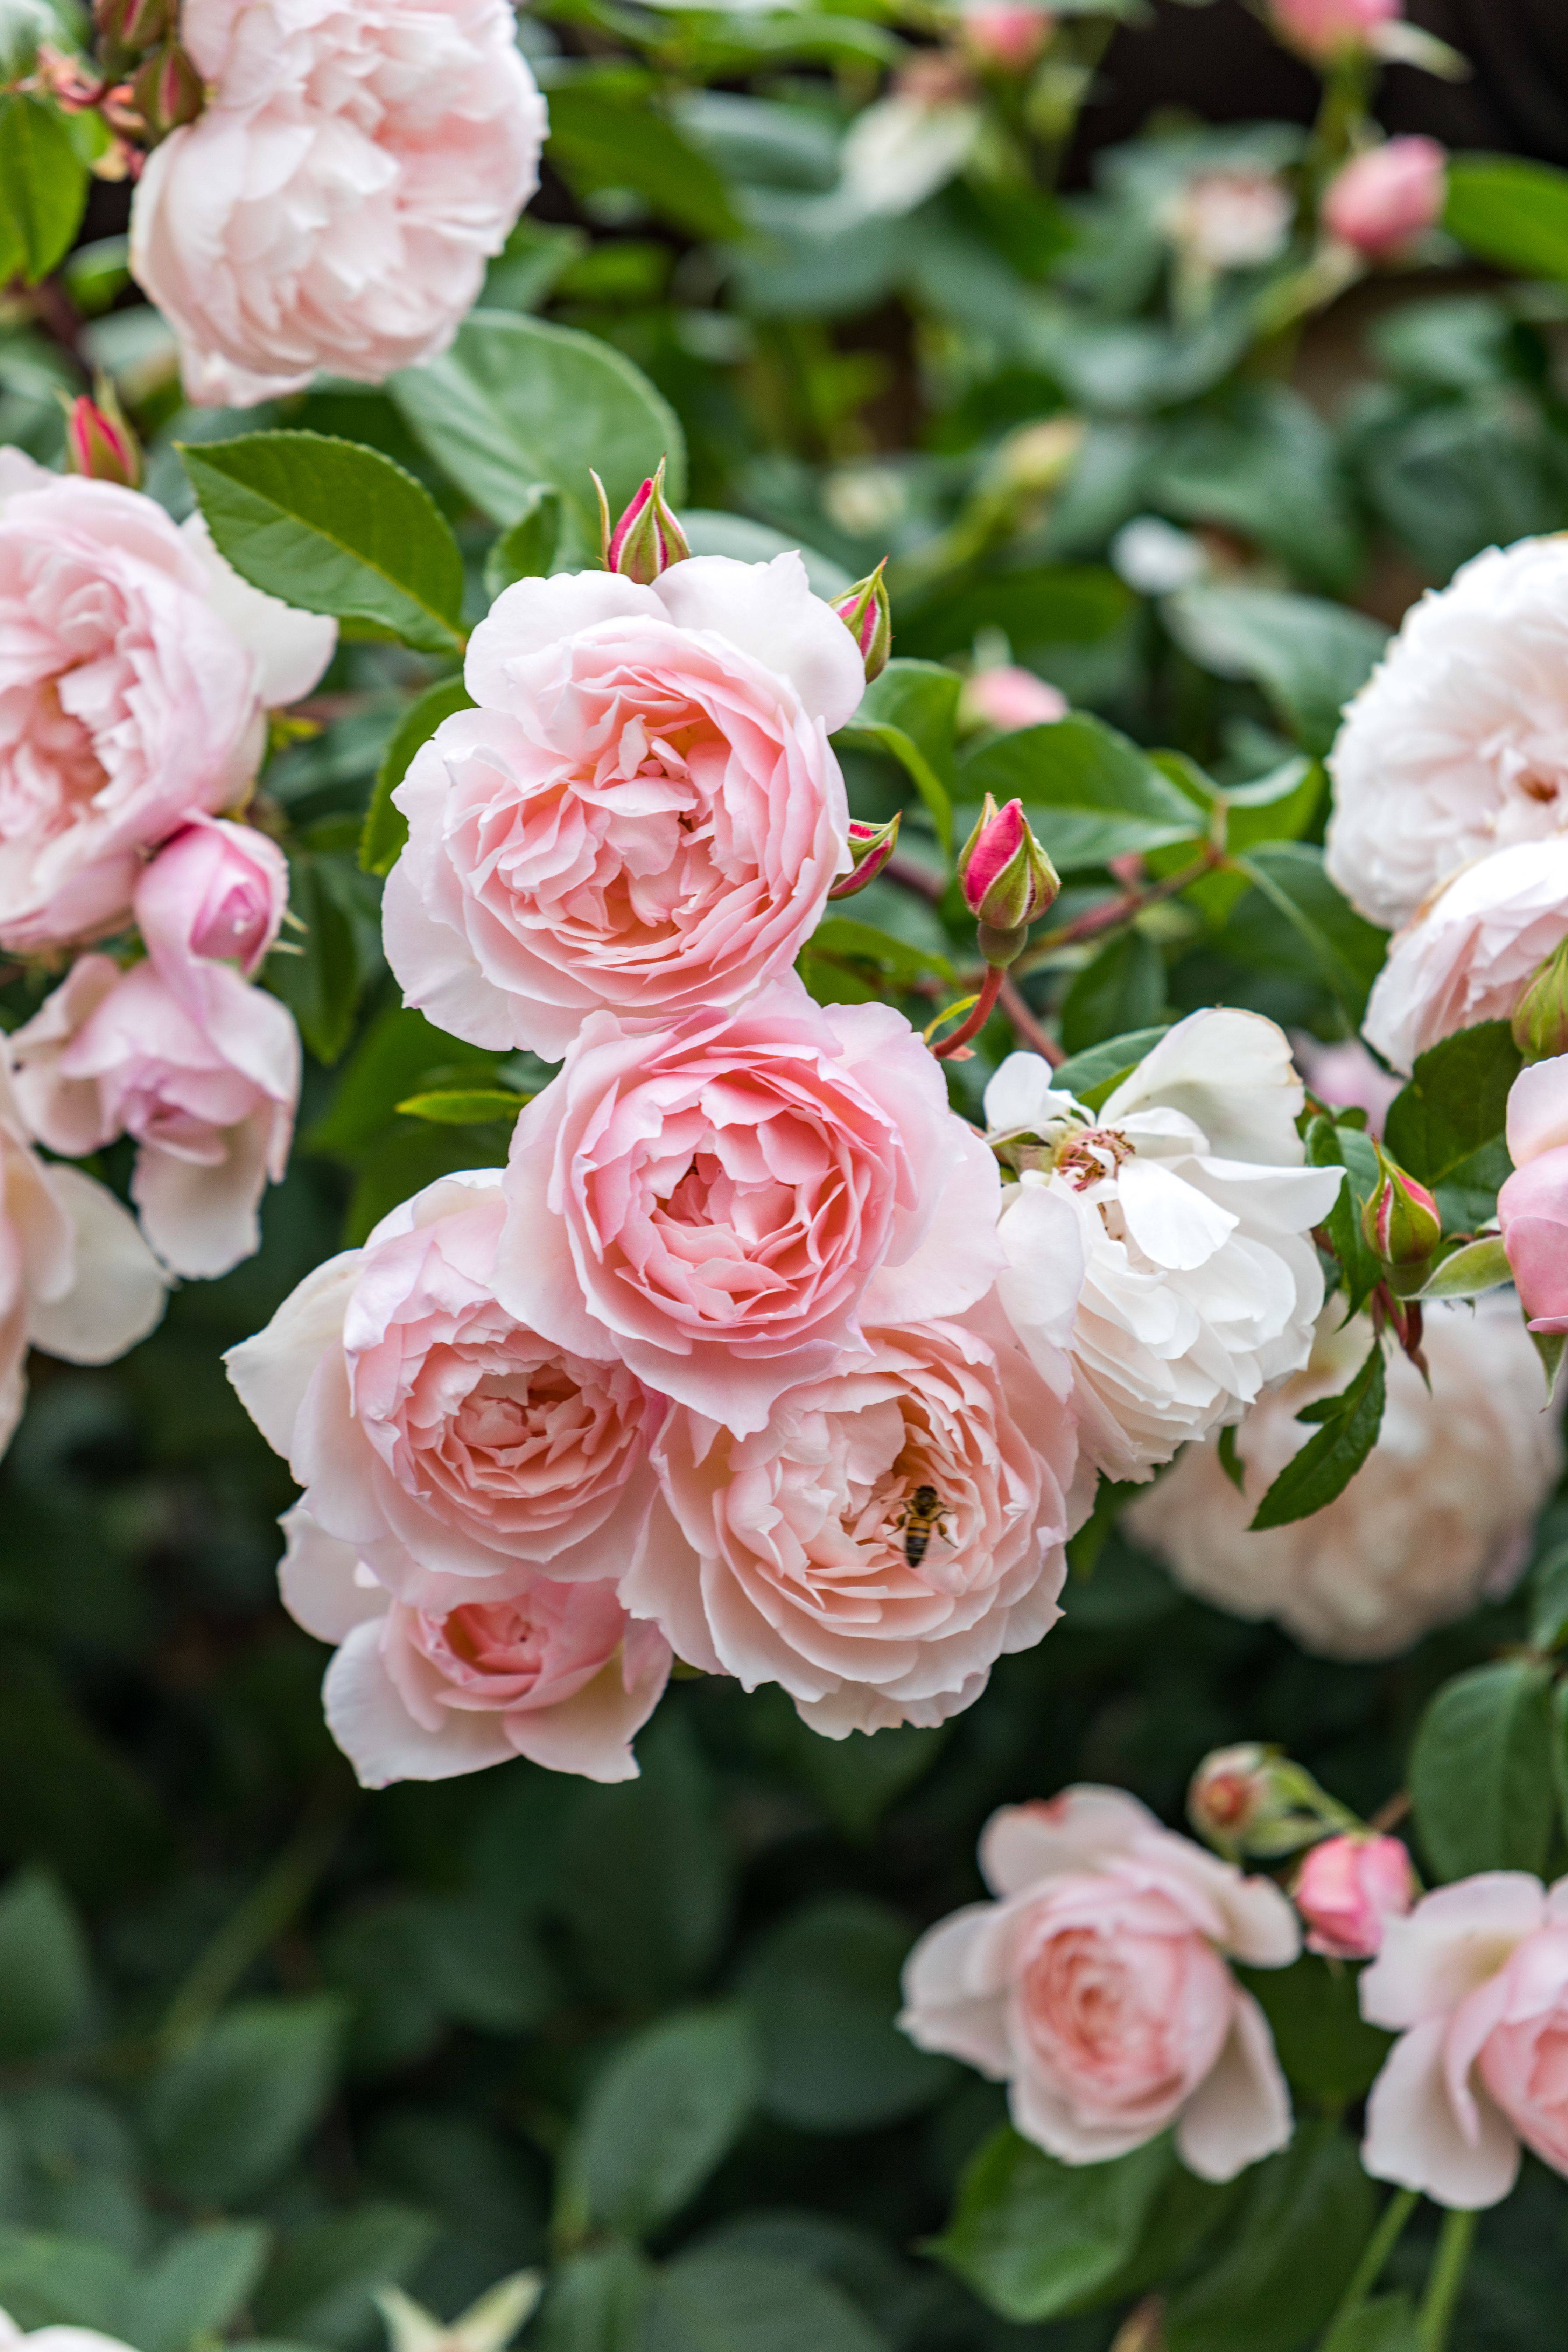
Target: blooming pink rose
(206, 1085)
(1097, 1986)
(1382, 200)
(1006, 35)
(1471, 949)
(75, 1277)
(455, 1450)
(642, 816)
(1325, 28)
(723, 1205)
(1008, 698)
(135, 672)
(215, 893)
(555, 1672)
(334, 205)
(1475, 1981)
(894, 1529)
(1347, 1890)
(1533, 1207)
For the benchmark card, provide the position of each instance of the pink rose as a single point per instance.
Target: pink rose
(1471, 949)
(206, 1085)
(896, 1527)
(334, 205)
(456, 1451)
(554, 1672)
(1383, 200)
(1097, 1986)
(724, 1203)
(1475, 1981)
(215, 893)
(136, 674)
(1009, 37)
(1324, 29)
(1347, 1890)
(642, 816)
(1533, 1207)
(75, 1277)
(1008, 698)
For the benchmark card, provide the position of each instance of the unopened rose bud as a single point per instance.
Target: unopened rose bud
(869, 617)
(870, 846)
(169, 91)
(1006, 879)
(648, 538)
(1252, 1799)
(1348, 1889)
(1005, 36)
(1323, 30)
(1384, 199)
(1541, 1016)
(132, 23)
(1401, 1221)
(99, 442)
(1037, 457)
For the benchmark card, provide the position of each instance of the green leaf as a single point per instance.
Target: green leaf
(1511, 212)
(47, 2280)
(1389, 2324)
(1328, 1462)
(45, 1981)
(465, 1106)
(909, 712)
(1291, 2253)
(1121, 988)
(1448, 1126)
(319, 2283)
(1036, 2238)
(1230, 1461)
(840, 944)
(526, 548)
(597, 2302)
(227, 2116)
(516, 403)
(665, 2110)
(1049, 604)
(43, 187)
(720, 2302)
(196, 2285)
(854, 1780)
(1468, 1271)
(1347, 952)
(1549, 1599)
(823, 1989)
(320, 984)
(386, 828)
(333, 527)
(1092, 1078)
(603, 140)
(1326, 2049)
(1308, 656)
(1328, 1146)
(1088, 792)
(1480, 1770)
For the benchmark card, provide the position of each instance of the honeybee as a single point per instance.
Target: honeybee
(923, 1516)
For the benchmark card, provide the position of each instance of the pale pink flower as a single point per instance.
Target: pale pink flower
(1533, 1207)
(1324, 29)
(1097, 1986)
(214, 893)
(1347, 1890)
(1230, 217)
(1440, 1516)
(1471, 949)
(727, 1203)
(895, 1528)
(1005, 35)
(75, 1277)
(1382, 200)
(458, 1451)
(555, 1672)
(1475, 1981)
(334, 205)
(642, 816)
(1007, 698)
(136, 670)
(206, 1079)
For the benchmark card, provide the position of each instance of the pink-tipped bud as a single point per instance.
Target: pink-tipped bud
(1384, 199)
(1005, 37)
(1006, 879)
(648, 538)
(132, 23)
(1347, 1891)
(169, 91)
(1251, 1800)
(1401, 1221)
(1541, 1016)
(869, 617)
(99, 442)
(870, 846)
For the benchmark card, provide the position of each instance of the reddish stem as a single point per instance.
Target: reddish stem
(979, 1015)
(1019, 1012)
(915, 878)
(1111, 911)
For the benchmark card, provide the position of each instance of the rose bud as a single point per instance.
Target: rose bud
(1383, 200)
(99, 442)
(1541, 1016)
(1325, 29)
(130, 24)
(169, 92)
(1005, 36)
(216, 893)
(1006, 879)
(1251, 1800)
(1007, 698)
(1401, 1221)
(869, 617)
(648, 538)
(1348, 1888)
(870, 846)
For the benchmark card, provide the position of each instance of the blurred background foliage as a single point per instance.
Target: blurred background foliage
(269, 2045)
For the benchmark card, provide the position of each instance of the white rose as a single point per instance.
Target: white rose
(1439, 1515)
(1187, 1195)
(1471, 949)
